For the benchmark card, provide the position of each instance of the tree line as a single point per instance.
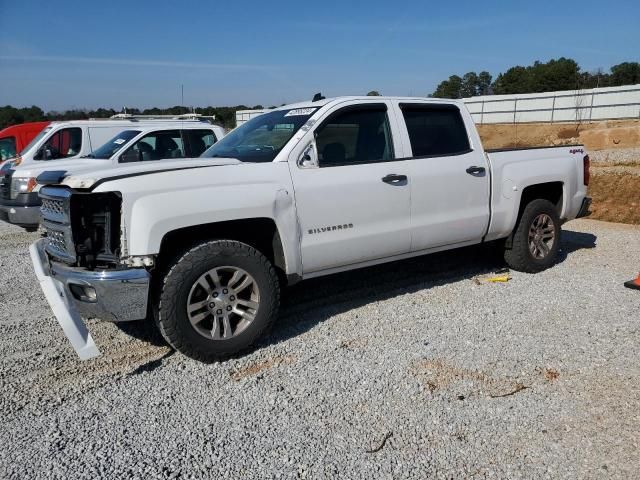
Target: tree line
(13, 116)
(554, 75)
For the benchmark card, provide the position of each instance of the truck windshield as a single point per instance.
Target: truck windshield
(7, 148)
(262, 137)
(107, 150)
(36, 139)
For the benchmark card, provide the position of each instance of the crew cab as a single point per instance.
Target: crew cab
(137, 141)
(15, 138)
(205, 245)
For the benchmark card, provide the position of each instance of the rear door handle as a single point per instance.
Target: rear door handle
(393, 179)
(473, 170)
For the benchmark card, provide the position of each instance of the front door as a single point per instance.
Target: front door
(353, 201)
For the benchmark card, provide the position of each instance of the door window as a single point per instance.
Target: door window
(355, 135)
(64, 143)
(435, 130)
(155, 146)
(199, 141)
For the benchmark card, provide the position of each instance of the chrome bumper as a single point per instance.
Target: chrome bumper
(23, 216)
(73, 293)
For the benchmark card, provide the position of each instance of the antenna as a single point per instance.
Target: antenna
(182, 92)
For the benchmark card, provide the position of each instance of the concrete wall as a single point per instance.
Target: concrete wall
(243, 116)
(568, 106)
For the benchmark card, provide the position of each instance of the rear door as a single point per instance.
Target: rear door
(449, 177)
(353, 204)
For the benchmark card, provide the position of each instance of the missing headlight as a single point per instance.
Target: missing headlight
(96, 228)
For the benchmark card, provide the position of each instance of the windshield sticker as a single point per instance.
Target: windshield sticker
(119, 141)
(300, 111)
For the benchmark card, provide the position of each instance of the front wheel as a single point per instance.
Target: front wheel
(217, 300)
(536, 239)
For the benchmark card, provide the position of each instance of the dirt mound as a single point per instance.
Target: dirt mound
(595, 136)
(616, 195)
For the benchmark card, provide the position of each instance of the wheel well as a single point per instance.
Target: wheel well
(261, 233)
(551, 191)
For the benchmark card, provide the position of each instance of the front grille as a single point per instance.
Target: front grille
(57, 223)
(53, 210)
(57, 242)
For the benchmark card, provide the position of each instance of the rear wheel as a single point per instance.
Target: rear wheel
(536, 240)
(217, 300)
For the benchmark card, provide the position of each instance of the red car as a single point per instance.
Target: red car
(13, 139)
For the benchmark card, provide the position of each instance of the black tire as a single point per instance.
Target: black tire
(171, 312)
(519, 255)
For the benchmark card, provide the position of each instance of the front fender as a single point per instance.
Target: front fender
(173, 200)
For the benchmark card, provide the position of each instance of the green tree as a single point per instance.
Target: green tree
(449, 88)
(373, 93)
(484, 83)
(469, 87)
(627, 73)
(514, 80)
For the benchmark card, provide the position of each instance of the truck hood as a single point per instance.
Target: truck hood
(88, 176)
(78, 164)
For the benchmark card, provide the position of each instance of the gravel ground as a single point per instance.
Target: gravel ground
(615, 155)
(416, 369)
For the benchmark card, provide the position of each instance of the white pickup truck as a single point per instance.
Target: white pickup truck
(205, 245)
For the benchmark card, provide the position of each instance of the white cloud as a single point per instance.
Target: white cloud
(134, 62)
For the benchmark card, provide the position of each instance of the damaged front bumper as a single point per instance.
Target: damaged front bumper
(73, 293)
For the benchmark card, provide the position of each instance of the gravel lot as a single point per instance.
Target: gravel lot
(412, 370)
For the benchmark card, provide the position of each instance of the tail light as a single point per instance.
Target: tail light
(586, 165)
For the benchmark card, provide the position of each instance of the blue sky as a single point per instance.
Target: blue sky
(85, 54)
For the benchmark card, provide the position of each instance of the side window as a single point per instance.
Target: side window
(64, 143)
(198, 141)
(155, 146)
(355, 135)
(435, 130)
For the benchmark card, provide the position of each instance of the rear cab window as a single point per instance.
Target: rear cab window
(435, 130)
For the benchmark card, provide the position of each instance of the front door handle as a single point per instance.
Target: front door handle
(393, 179)
(473, 170)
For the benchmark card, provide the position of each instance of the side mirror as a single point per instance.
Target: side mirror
(131, 155)
(309, 158)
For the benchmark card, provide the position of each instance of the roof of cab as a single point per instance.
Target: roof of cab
(109, 122)
(327, 101)
(22, 126)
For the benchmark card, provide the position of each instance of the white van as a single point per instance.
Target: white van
(78, 138)
(134, 142)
